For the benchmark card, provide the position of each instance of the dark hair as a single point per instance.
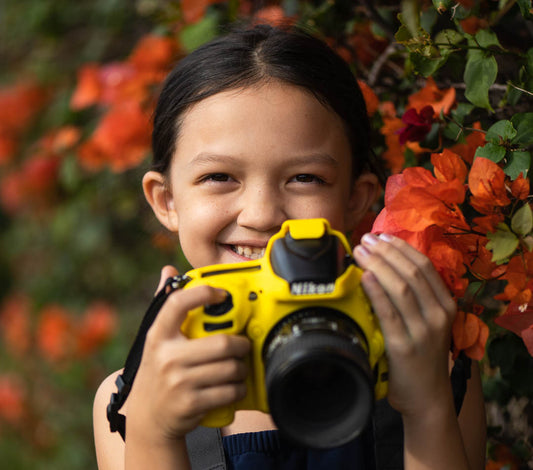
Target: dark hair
(249, 56)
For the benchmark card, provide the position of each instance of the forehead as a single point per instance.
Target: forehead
(271, 114)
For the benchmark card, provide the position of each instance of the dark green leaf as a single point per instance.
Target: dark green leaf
(493, 152)
(501, 131)
(480, 74)
(523, 123)
(426, 66)
(518, 162)
(526, 8)
(194, 35)
(502, 243)
(522, 221)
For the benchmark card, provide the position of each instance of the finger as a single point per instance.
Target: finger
(424, 266)
(395, 294)
(176, 307)
(166, 272)
(391, 322)
(214, 348)
(216, 373)
(211, 398)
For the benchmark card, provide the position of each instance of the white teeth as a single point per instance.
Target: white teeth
(251, 252)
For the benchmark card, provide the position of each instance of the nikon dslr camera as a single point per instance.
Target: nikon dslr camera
(317, 362)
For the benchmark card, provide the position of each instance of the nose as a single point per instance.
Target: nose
(261, 209)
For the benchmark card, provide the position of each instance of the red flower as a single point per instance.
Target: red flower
(15, 323)
(55, 333)
(121, 140)
(12, 399)
(418, 124)
(96, 328)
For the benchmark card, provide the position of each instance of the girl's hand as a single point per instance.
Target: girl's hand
(416, 312)
(180, 379)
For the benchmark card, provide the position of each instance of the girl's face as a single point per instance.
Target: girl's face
(247, 160)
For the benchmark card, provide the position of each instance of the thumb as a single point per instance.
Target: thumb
(166, 272)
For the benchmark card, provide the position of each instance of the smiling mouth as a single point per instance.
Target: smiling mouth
(250, 252)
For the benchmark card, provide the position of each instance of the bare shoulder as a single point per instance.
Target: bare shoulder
(109, 446)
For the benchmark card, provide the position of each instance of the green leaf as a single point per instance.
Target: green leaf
(487, 39)
(522, 221)
(529, 62)
(523, 123)
(501, 131)
(493, 152)
(450, 37)
(480, 73)
(426, 66)
(517, 162)
(502, 243)
(443, 5)
(194, 35)
(526, 8)
(410, 16)
(403, 35)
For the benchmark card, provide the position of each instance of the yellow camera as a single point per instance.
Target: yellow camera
(317, 362)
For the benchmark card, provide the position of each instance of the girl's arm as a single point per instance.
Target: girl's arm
(178, 381)
(416, 313)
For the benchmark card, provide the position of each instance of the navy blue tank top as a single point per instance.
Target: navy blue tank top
(266, 450)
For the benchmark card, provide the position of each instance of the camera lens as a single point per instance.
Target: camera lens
(318, 379)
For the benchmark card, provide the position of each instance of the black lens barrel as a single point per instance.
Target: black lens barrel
(318, 378)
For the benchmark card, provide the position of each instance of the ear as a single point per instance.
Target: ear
(159, 196)
(365, 191)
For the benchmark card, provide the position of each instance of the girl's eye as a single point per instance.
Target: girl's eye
(308, 178)
(217, 177)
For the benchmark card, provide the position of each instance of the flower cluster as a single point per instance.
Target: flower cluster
(121, 139)
(466, 213)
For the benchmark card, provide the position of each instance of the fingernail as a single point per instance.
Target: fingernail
(386, 237)
(362, 251)
(369, 239)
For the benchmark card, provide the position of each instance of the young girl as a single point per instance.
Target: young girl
(252, 129)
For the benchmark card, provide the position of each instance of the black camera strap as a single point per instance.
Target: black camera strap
(124, 382)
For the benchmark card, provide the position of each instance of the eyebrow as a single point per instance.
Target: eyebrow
(205, 158)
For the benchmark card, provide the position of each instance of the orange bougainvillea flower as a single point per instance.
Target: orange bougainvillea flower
(486, 182)
(470, 334)
(55, 333)
(12, 399)
(473, 24)
(273, 15)
(15, 326)
(371, 99)
(449, 166)
(117, 82)
(153, 55)
(431, 95)
(520, 187)
(194, 10)
(121, 140)
(518, 273)
(518, 318)
(19, 104)
(29, 186)
(449, 263)
(97, 326)
(472, 141)
(425, 201)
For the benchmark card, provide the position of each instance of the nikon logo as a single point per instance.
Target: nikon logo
(309, 287)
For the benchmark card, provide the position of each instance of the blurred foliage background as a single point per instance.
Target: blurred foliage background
(81, 251)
